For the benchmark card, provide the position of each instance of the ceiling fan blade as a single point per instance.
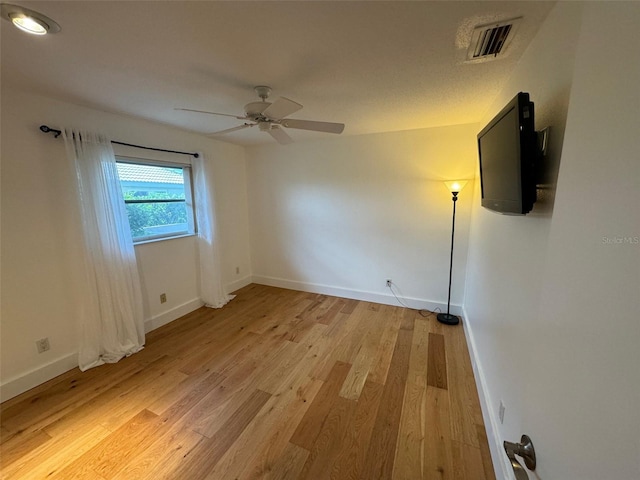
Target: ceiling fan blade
(326, 127)
(281, 108)
(211, 113)
(280, 135)
(229, 130)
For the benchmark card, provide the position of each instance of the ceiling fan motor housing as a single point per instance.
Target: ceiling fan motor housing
(263, 91)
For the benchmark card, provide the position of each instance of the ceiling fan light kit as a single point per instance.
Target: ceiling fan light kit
(270, 117)
(255, 108)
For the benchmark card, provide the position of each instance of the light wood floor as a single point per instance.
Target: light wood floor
(278, 384)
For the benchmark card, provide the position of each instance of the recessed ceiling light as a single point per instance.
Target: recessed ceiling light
(28, 20)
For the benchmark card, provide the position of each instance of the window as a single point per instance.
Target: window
(158, 199)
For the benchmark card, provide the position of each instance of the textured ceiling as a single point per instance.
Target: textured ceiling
(375, 66)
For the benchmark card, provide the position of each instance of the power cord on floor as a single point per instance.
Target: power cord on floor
(423, 312)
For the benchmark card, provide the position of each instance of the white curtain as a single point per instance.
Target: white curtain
(212, 291)
(112, 321)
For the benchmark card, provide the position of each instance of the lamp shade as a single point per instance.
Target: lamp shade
(455, 186)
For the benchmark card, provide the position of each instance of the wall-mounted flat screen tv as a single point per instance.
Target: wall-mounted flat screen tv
(508, 149)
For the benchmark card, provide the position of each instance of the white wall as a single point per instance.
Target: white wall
(552, 307)
(39, 268)
(342, 215)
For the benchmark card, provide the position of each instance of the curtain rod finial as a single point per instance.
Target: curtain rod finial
(46, 129)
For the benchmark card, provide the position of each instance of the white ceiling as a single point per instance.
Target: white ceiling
(375, 66)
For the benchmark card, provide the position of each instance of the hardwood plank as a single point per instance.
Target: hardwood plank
(290, 305)
(163, 458)
(347, 336)
(381, 453)
(467, 461)
(465, 406)
(290, 356)
(309, 427)
(271, 453)
(193, 388)
(286, 466)
(325, 448)
(203, 457)
(418, 363)
(104, 458)
(349, 306)
(409, 461)
(17, 450)
(123, 409)
(213, 353)
(337, 326)
(205, 417)
(410, 447)
(172, 430)
(267, 426)
(288, 375)
(185, 342)
(299, 329)
(485, 453)
(318, 308)
(368, 317)
(438, 463)
(380, 368)
(241, 418)
(436, 362)
(337, 306)
(364, 358)
(315, 346)
(459, 356)
(354, 445)
(55, 455)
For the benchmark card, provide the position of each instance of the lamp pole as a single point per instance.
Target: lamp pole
(447, 318)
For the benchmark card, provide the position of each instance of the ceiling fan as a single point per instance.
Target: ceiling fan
(270, 117)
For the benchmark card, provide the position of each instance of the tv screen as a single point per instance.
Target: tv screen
(507, 149)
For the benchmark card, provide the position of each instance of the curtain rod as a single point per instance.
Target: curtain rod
(56, 134)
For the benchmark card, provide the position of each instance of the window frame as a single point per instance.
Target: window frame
(187, 174)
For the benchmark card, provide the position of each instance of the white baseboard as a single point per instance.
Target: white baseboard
(238, 284)
(17, 385)
(171, 315)
(375, 297)
(500, 464)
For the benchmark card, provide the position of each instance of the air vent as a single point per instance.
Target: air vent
(490, 41)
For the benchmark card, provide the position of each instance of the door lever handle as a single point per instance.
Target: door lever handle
(525, 450)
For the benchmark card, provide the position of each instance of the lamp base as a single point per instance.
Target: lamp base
(448, 319)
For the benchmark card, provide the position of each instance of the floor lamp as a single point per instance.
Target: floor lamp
(454, 188)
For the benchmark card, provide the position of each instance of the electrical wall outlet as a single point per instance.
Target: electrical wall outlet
(163, 298)
(43, 345)
(389, 282)
(501, 412)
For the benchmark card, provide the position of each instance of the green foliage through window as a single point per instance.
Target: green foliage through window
(157, 199)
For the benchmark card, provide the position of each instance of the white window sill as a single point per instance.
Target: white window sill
(162, 239)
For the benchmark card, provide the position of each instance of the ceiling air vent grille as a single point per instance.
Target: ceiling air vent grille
(490, 41)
